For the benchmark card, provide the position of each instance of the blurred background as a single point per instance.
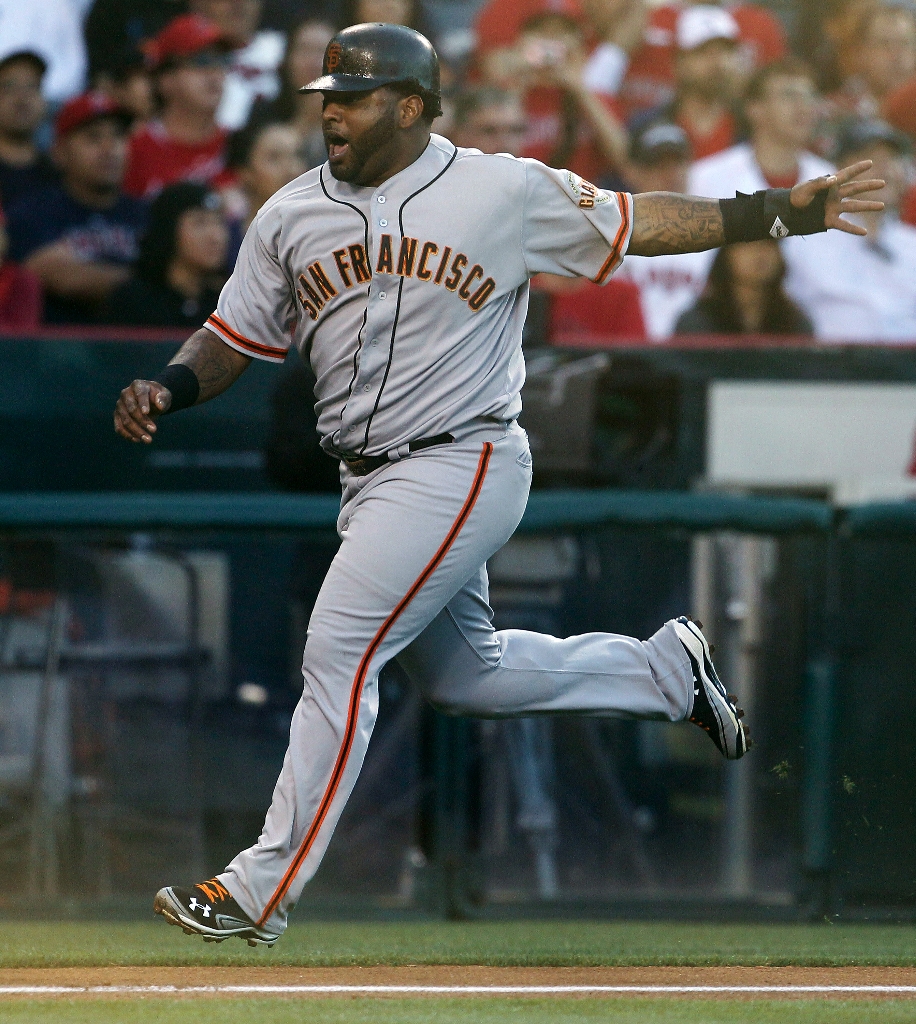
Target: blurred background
(728, 433)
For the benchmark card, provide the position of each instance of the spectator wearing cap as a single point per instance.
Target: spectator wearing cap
(303, 59)
(569, 125)
(80, 236)
(189, 58)
(659, 161)
(182, 262)
(24, 167)
(863, 289)
(53, 29)
(255, 55)
(649, 79)
(780, 107)
(708, 71)
(20, 291)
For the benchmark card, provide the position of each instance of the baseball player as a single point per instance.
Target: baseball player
(400, 268)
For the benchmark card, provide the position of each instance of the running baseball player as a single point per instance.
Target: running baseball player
(400, 270)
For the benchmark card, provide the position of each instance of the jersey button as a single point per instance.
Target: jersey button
(381, 199)
(367, 388)
(383, 223)
(375, 341)
(383, 295)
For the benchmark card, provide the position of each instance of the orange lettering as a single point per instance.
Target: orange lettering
(429, 249)
(360, 264)
(406, 257)
(458, 264)
(340, 258)
(465, 290)
(385, 257)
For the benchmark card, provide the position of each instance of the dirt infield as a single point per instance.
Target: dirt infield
(425, 981)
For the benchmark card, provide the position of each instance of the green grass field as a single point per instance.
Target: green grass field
(554, 943)
(508, 943)
(459, 1011)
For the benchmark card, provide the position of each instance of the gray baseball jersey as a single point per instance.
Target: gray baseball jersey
(409, 299)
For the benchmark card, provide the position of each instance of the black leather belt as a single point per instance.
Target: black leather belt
(360, 465)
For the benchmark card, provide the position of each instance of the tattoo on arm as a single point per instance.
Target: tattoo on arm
(665, 223)
(214, 363)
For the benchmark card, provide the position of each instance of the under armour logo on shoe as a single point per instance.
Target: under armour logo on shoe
(779, 230)
(194, 905)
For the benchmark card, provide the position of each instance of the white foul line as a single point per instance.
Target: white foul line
(501, 990)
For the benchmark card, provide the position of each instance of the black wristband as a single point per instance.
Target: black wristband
(770, 214)
(182, 382)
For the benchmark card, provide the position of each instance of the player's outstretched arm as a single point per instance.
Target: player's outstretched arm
(665, 223)
(215, 365)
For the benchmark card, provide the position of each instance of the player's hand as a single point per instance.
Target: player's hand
(137, 408)
(841, 189)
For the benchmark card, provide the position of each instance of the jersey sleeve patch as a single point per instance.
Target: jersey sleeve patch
(243, 344)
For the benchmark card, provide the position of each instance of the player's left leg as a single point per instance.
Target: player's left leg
(466, 667)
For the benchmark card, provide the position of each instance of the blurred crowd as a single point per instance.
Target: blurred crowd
(139, 138)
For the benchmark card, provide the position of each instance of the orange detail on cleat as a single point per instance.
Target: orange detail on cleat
(217, 892)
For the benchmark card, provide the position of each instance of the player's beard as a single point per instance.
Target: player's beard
(371, 152)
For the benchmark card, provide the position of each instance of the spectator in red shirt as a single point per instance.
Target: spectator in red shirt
(569, 125)
(650, 77)
(708, 73)
(20, 291)
(185, 143)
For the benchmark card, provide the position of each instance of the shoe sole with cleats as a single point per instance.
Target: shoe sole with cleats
(732, 738)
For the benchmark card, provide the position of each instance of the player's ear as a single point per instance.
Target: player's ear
(411, 110)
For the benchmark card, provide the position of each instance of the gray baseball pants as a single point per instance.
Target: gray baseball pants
(409, 582)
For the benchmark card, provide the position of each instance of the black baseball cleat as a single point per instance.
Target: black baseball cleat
(208, 909)
(714, 709)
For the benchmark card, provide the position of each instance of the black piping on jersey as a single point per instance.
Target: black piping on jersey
(397, 309)
(362, 326)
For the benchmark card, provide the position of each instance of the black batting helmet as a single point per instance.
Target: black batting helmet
(365, 57)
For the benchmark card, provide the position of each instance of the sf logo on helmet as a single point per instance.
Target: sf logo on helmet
(333, 56)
